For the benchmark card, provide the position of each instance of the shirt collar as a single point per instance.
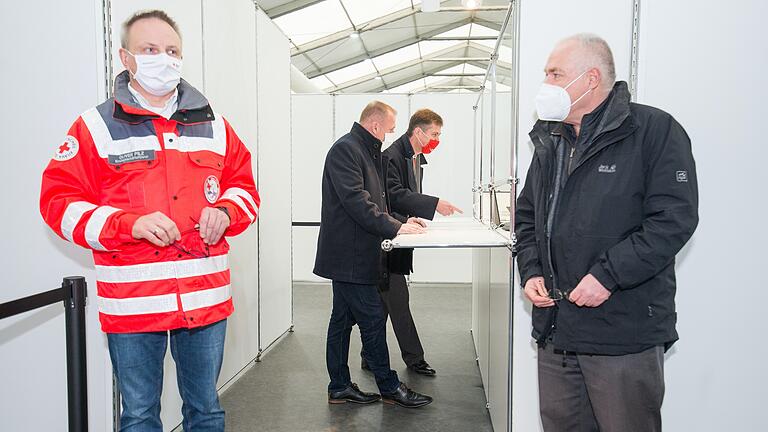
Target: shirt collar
(165, 111)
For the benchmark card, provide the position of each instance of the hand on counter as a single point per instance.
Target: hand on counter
(417, 221)
(411, 228)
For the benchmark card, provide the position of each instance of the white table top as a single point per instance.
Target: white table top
(454, 232)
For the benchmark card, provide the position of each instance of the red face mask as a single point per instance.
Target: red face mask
(431, 145)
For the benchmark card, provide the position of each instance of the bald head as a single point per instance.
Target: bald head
(378, 118)
(586, 51)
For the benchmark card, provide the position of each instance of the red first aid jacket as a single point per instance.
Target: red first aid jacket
(119, 162)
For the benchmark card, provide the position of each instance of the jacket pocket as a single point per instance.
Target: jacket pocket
(207, 160)
(125, 183)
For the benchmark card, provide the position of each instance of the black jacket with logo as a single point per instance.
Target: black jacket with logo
(354, 219)
(626, 203)
(404, 196)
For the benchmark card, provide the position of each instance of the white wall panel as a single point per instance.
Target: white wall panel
(46, 90)
(311, 138)
(234, 98)
(707, 72)
(274, 179)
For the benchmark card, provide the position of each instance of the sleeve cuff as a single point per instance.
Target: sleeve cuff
(604, 277)
(125, 227)
(395, 228)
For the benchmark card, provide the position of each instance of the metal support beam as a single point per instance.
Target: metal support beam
(394, 17)
(289, 7)
(459, 59)
(386, 49)
(441, 74)
(462, 38)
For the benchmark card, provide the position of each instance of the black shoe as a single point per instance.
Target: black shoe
(352, 394)
(406, 397)
(422, 368)
(364, 365)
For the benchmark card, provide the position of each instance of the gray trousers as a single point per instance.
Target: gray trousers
(586, 393)
(396, 305)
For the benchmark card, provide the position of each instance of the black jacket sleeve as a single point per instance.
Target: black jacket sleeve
(670, 211)
(404, 200)
(525, 228)
(345, 172)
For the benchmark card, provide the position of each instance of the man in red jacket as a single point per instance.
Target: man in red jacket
(151, 181)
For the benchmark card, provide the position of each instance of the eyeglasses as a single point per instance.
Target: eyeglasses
(193, 252)
(559, 295)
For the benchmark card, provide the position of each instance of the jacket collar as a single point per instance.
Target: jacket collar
(608, 117)
(193, 106)
(406, 149)
(370, 142)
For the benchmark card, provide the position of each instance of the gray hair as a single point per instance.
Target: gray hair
(595, 54)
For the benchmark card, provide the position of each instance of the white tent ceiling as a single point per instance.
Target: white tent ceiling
(390, 45)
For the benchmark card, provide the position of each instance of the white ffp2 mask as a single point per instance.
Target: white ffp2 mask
(158, 74)
(553, 103)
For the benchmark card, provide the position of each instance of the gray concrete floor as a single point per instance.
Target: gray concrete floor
(287, 390)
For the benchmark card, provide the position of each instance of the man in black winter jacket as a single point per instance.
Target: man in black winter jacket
(609, 200)
(353, 222)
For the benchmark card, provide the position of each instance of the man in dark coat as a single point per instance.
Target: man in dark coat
(609, 200)
(354, 221)
(404, 160)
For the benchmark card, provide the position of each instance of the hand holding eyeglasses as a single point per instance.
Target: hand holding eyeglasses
(537, 292)
(213, 223)
(157, 228)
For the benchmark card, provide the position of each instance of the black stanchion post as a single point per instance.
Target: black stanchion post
(75, 293)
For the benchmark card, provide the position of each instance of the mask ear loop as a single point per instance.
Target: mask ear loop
(585, 93)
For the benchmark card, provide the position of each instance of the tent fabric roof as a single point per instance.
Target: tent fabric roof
(354, 46)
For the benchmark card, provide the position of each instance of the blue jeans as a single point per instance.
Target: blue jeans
(137, 360)
(361, 305)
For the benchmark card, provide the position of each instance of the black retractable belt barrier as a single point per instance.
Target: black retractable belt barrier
(73, 293)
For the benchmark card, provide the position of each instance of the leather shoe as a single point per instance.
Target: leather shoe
(352, 394)
(422, 368)
(406, 397)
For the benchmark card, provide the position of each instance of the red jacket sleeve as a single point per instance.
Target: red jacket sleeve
(69, 199)
(240, 197)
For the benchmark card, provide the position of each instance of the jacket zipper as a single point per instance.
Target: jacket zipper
(554, 200)
(570, 159)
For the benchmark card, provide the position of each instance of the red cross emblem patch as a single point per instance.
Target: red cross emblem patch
(67, 150)
(211, 189)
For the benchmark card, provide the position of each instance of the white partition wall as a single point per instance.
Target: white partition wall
(45, 90)
(702, 75)
(274, 180)
(235, 98)
(312, 133)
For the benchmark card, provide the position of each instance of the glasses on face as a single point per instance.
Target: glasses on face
(205, 253)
